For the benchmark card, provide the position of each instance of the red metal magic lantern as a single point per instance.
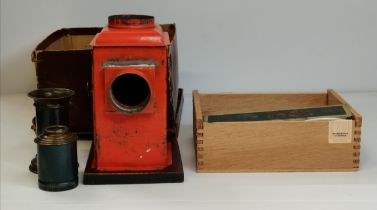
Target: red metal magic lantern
(133, 97)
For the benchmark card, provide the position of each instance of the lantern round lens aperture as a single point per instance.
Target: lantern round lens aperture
(130, 93)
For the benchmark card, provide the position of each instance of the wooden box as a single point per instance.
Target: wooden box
(273, 146)
(64, 59)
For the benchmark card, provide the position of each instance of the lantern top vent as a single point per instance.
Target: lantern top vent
(131, 30)
(131, 21)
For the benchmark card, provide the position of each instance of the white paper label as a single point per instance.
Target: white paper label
(340, 131)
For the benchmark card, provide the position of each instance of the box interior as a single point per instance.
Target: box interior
(237, 103)
(71, 42)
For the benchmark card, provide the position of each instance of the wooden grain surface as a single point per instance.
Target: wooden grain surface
(272, 146)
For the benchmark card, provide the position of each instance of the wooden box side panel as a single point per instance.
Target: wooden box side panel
(197, 128)
(235, 103)
(272, 146)
(70, 69)
(334, 98)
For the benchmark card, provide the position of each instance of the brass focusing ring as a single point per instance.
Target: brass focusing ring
(56, 135)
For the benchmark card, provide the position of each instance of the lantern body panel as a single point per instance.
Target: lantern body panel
(129, 137)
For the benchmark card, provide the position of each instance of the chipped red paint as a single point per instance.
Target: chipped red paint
(130, 137)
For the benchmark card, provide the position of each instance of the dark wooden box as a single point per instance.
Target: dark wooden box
(64, 59)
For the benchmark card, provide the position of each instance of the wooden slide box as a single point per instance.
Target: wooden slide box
(272, 146)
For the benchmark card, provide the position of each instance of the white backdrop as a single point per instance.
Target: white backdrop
(238, 45)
